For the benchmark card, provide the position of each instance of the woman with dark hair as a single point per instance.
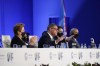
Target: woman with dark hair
(21, 38)
(17, 39)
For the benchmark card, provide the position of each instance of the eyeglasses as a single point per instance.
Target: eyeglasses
(55, 28)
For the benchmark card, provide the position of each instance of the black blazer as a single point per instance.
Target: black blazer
(17, 40)
(45, 39)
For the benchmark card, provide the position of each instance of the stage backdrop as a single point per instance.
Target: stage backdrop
(15, 11)
(83, 14)
(35, 14)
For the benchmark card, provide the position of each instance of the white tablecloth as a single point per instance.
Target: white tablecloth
(51, 56)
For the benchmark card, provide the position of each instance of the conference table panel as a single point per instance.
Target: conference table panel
(47, 56)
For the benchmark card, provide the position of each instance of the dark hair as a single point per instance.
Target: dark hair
(17, 28)
(50, 26)
(72, 31)
(60, 27)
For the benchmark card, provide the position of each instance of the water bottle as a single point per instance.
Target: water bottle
(46, 46)
(89, 46)
(85, 45)
(63, 45)
(82, 45)
(67, 46)
(99, 46)
(23, 46)
(95, 46)
(16, 46)
(52, 47)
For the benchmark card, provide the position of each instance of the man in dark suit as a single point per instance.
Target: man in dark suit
(73, 42)
(47, 37)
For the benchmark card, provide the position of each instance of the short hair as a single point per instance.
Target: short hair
(50, 26)
(72, 31)
(17, 28)
(60, 27)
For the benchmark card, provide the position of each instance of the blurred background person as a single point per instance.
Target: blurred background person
(47, 37)
(64, 42)
(60, 31)
(60, 34)
(73, 41)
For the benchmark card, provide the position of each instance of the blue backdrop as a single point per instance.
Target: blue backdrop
(35, 14)
(15, 11)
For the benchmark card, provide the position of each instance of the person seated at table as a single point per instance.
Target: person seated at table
(65, 40)
(47, 37)
(17, 40)
(73, 40)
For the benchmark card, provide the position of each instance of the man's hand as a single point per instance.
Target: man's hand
(59, 39)
(69, 38)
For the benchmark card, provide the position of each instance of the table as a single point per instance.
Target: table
(51, 56)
